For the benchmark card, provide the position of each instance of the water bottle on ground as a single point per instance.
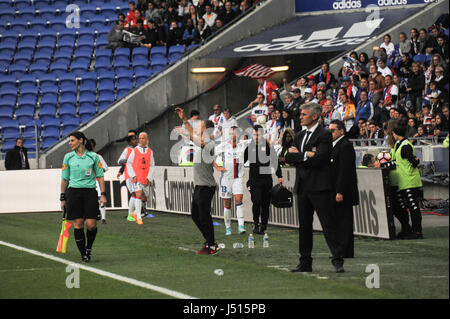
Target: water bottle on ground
(266, 241)
(251, 241)
(238, 245)
(221, 246)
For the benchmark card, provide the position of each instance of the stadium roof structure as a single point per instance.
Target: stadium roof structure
(316, 33)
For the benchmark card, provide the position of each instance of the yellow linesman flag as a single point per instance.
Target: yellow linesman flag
(63, 237)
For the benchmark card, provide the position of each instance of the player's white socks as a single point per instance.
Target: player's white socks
(240, 214)
(103, 212)
(130, 206)
(227, 217)
(138, 205)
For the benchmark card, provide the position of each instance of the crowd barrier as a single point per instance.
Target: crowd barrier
(171, 191)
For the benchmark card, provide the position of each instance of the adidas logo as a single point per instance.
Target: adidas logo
(358, 33)
(385, 3)
(347, 4)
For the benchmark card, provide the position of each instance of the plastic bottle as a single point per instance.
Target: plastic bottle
(221, 246)
(251, 241)
(266, 241)
(238, 245)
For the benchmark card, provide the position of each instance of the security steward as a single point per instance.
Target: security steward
(78, 192)
(263, 159)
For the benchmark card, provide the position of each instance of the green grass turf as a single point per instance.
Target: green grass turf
(162, 252)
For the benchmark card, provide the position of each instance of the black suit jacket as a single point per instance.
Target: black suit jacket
(314, 174)
(343, 171)
(13, 160)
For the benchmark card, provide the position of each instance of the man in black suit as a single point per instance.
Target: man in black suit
(345, 186)
(310, 154)
(17, 158)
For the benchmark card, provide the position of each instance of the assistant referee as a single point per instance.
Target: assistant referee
(78, 192)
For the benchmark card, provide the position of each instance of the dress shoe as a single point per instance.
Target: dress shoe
(338, 264)
(305, 265)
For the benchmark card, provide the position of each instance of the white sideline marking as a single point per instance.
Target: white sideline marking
(103, 273)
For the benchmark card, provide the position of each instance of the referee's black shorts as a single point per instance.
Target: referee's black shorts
(82, 203)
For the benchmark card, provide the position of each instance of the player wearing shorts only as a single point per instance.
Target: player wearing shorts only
(231, 178)
(132, 142)
(140, 165)
(90, 146)
(78, 195)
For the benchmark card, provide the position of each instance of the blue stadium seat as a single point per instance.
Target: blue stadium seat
(29, 91)
(105, 99)
(8, 46)
(123, 87)
(38, 24)
(7, 92)
(176, 51)
(102, 31)
(8, 81)
(87, 87)
(47, 111)
(46, 46)
(121, 63)
(9, 35)
(25, 114)
(125, 75)
(29, 35)
(17, 69)
(28, 12)
(122, 52)
(5, 60)
(48, 34)
(22, 3)
(66, 78)
(10, 129)
(69, 125)
(45, 11)
(58, 67)
(79, 67)
(140, 52)
(141, 75)
(86, 98)
(45, 79)
(66, 44)
(67, 34)
(29, 131)
(8, 102)
(22, 58)
(68, 88)
(63, 55)
(42, 57)
(154, 69)
(27, 79)
(85, 43)
(102, 64)
(89, 78)
(86, 117)
(91, 8)
(87, 108)
(158, 52)
(30, 145)
(27, 100)
(105, 85)
(86, 33)
(82, 55)
(8, 145)
(7, 13)
(420, 58)
(107, 75)
(108, 8)
(51, 122)
(19, 25)
(49, 98)
(67, 98)
(48, 141)
(67, 110)
(97, 21)
(28, 45)
(58, 23)
(102, 42)
(6, 112)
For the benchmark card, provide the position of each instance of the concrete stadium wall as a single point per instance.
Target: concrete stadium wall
(173, 86)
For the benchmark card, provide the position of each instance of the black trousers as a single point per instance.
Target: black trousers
(411, 198)
(321, 202)
(201, 212)
(260, 195)
(399, 208)
(343, 215)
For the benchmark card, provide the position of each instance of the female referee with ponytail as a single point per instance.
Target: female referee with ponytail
(78, 192)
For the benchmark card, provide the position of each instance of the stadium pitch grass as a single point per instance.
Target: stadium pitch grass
(162, 252)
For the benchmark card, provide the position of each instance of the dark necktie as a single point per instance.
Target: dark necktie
(305, 140)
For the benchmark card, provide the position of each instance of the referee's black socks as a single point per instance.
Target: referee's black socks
(90, 235)
(80, 240)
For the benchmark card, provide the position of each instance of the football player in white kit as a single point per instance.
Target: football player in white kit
(231, 178)
(132, 142)
(90, 146)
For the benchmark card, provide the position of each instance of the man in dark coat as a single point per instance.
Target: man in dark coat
(345, 186)
(17, 158)
(310, 154)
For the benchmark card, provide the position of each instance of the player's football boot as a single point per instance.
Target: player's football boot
(241, 230)
(228, 231)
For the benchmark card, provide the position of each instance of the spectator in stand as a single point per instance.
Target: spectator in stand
(217, 117)
(174, 35)
(388, 45)
(17, 158)
(321, 98)
(171, 14)
(301, 84)
(426, 113)
(140, 31)
(288, 101)
(363, 62)
(309, 96)
(441, 127)
(404, 66)
(266, 87)
(435, 33)
(374, 74)
(202, 32)
(115, 36)
(155, 35)
(209, 16)
(422, 40)
(446, 114)
(228, 14)
(442, 47)
(363, 86)
(130, 20)
(414, 40)
(435, 104)
(276, 101)
(349, 88)
(151, 12)
(346, 110)
(365, 109)
(441, 79)
(201, 8)
(243, 7)
(374, 94)
(298, 101)
(374, 132)
(188, 33)
(193, 15)
(330, 113)
(390, 93)
(412, 130)
(404, 44)
(142, 5)
(258, 107)
(287, 121)
(183, 9)
(416, 85)
(383, 68)
(325, 75)
(217, 7)
(312, 83)
(217, 26)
